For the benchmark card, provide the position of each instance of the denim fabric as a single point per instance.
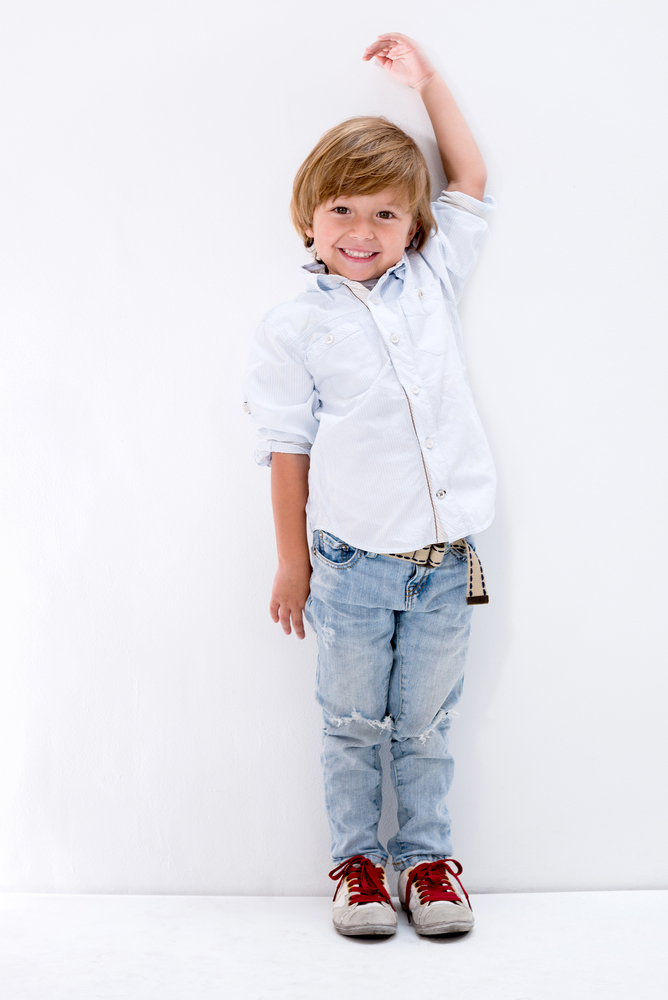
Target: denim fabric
(392, 644)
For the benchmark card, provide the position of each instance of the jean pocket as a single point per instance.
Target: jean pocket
(333, 551)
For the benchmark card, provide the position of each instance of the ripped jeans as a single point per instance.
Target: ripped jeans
(392, 644)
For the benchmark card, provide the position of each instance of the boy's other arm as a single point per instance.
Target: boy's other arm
(462, 161)
(289, 493)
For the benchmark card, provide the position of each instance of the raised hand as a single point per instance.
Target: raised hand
(402, 57)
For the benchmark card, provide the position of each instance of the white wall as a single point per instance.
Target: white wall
(157, 732)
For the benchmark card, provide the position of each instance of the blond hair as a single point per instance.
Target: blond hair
(361, 156)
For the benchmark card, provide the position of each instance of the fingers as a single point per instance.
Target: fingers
(282, 613)
(298, 625)
(375, 50)
(284, 616)
(387, 42)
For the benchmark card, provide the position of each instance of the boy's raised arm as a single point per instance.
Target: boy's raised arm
(462, 162)
(289, 493)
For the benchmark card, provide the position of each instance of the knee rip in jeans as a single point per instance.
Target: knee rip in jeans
(346, 720)
(450, 714)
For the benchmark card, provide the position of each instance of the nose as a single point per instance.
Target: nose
(362, 229)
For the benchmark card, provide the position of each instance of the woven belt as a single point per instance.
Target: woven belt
(432, 557)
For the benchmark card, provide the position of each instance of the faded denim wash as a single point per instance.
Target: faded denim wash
(392, 645)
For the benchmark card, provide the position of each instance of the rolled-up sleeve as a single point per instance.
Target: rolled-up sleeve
(453, 250)
(280, 396)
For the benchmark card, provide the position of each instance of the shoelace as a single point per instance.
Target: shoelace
(432, 882)
(365, 881)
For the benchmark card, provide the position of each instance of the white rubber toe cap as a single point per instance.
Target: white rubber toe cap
(365, 918)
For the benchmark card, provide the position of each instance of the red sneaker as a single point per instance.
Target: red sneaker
(362, 904)
(434, 899)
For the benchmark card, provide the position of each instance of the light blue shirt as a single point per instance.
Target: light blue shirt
(372, 384)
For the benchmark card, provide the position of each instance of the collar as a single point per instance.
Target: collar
(317, 279)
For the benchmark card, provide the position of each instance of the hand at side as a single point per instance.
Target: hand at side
(289, 493)
(289, 595)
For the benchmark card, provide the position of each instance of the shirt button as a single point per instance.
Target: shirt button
(440, 494)
(415, 389)
(245, 408)
(395, 338)
(429, 443)
(329, 339)
(420, 293)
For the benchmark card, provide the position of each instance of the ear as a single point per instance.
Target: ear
(412, 231)
(309, 232)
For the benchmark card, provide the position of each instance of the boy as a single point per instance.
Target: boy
(365, 415)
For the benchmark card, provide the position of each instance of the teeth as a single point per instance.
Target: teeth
(359, 253)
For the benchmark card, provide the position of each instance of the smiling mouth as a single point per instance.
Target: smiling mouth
(362, 255)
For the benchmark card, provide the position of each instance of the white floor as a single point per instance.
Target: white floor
(539, 946)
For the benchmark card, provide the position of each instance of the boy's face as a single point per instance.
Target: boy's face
(359, 236)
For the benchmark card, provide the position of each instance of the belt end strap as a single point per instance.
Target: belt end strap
(476, 591)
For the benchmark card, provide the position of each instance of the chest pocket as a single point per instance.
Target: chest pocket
(344, 361)
(422, 301)
(426, 311)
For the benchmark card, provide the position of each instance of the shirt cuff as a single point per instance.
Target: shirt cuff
(467, 202)
(263, 454)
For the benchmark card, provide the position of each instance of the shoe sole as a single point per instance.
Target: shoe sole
(447, 927)
(450, 928)
(370, 930)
